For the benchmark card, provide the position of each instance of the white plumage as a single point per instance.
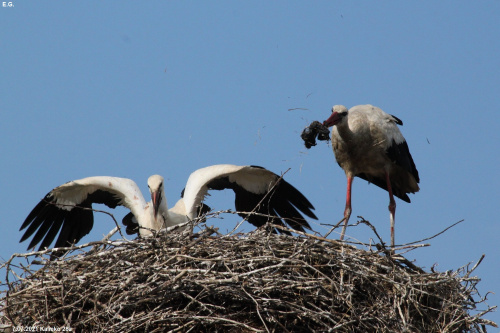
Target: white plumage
(67, 208)
(368, 144)
(253, 179)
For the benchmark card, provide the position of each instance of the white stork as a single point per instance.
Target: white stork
(368, 144)
(67, 208)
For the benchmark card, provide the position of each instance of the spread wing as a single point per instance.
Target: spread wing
(67, 209)
(256, 189)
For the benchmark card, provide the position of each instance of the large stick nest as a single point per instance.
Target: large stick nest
(253, 282)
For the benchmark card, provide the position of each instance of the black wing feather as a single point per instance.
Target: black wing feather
(50, 235)
(246, 202)
(131, 223)
(36, 217)
(40, 234)
(286, 210)
(380, 182)
(76, 224)
(47, 219)
(400, 155)
(398, 121)
(294, 196)
(285, 202)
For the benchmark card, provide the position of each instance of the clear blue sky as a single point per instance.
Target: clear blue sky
(133, 88)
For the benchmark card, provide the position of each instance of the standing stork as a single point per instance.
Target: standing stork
(367, 143)
(67, 209)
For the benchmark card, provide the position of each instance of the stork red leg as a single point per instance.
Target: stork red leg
(392, 206)
(347, 211)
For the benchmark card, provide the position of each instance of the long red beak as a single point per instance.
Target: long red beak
(332, 120)
(156, 198)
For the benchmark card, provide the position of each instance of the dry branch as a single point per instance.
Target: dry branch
(254, 282)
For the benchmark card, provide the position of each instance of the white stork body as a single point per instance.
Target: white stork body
(67, 208)
(368, 144)
(61, 209)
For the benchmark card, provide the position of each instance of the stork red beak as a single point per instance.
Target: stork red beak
(156, 198)
(332, 120)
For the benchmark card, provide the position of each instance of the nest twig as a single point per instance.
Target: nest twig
(254, 282)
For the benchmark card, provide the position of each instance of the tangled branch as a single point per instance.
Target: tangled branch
(253, 282)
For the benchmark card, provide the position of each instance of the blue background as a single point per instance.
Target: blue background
(133, 88)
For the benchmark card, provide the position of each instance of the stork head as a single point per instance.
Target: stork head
(339, 112)
(155, 184)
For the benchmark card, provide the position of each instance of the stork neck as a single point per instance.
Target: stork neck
(345, 132)
(162, 216)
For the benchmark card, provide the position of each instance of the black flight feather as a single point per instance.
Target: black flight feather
(400, 155)
(283, 202)
(47, 220)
